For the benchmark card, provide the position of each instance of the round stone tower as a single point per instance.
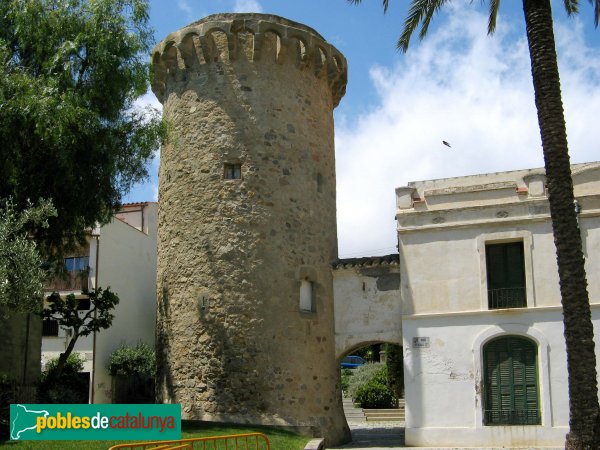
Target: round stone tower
(247, 223)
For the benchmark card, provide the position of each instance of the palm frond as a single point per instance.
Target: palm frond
(355, 2)
(572, 6)
(596, 5)
(418, 8)
(386, 3)
(415, 13)
(434, 7)
(494, 7)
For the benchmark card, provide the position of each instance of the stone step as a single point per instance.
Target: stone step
(383, 411)
(380, 415)
(383, 416)
(385, 419)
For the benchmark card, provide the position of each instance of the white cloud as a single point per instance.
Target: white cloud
(147, 191)
(148, 100)
(467, 88)
(247, 6)
(185, 6)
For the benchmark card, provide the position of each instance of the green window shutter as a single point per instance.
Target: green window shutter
(515, 265)
(510, 382)
(505, 266)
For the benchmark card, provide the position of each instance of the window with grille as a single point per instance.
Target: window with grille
(49, 327)
(511, 382)
(232, 171)
(76, 264)
(505, 275)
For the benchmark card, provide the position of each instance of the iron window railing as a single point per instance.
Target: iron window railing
(512, 417)
(513, 297)
(49, 327)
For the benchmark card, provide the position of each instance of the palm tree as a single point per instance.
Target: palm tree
(584, 409)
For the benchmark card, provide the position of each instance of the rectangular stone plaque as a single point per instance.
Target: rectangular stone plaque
(420, 342)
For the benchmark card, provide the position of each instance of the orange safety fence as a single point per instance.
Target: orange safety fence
(247, 441)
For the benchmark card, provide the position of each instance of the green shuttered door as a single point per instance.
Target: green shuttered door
(510, 377)
(505, 275)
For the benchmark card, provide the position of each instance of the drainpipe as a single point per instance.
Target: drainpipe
(577, 210)
(97, 237)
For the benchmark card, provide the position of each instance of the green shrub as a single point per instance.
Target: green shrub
(133, 361)
(74, 364)
(374, 395)
(70, 387)
(362, 375)
(133, 371)
(7, 396)
(395, 365)
(368, 386)
(345, 384)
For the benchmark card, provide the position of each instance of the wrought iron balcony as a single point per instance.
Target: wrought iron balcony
(69, 281)
(511, 417)
(514, 297)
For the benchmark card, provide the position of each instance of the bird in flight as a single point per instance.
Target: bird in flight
(446, 144)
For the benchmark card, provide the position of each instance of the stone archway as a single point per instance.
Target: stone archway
(367, 303)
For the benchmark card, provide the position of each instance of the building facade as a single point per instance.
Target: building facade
(482, 318)
(120, 255)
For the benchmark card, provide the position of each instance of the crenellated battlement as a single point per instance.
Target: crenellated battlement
(246, 39)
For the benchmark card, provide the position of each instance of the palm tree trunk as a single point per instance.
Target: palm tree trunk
(584, 410)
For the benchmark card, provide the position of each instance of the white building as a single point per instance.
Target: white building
(120, 255)
(484, 351)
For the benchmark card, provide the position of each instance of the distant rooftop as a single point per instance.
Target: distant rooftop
(366, 261)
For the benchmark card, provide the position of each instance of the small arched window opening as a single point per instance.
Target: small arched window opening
(307, 298)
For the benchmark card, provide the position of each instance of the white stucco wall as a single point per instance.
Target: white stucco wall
(443, 382)
(457, 280)
(123, 257)
(443, 227)
(367, 306)
(127, 263)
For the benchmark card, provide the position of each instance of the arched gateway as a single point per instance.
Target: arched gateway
(368, 308)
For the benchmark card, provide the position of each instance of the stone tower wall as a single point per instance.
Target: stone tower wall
(233, 344)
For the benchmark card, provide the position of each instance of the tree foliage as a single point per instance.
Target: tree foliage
(369, 386)
(21, 273)
(65, 311)
(71, 387)
(70, 71)
(139, 360)
(362, 375)
(394, 361)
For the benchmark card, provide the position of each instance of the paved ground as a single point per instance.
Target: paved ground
(388, 435)
(375, 435)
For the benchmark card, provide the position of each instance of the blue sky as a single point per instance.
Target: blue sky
(458, 85)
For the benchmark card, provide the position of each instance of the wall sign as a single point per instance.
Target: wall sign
(420, 342)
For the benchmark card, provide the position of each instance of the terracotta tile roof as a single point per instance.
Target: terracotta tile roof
(394, 258)
(137, 203)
